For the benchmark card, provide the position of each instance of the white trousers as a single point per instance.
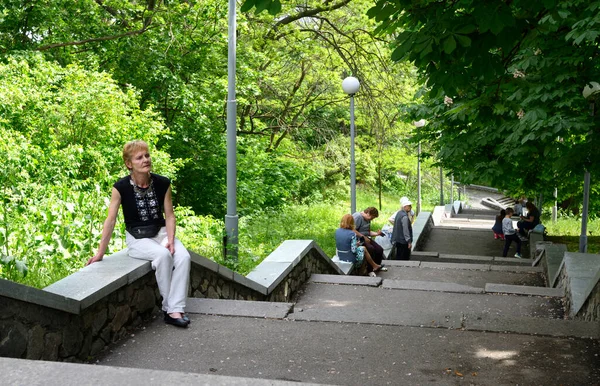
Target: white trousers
(172, 271)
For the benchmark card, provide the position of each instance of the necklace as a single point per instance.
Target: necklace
(141, 192)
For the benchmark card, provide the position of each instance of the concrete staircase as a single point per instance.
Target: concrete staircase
(443, 317)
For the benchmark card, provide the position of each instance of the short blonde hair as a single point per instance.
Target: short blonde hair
(131, 148)
(347, 222)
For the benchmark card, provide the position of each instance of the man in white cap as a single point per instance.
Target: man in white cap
(402, 235)
(411, 215)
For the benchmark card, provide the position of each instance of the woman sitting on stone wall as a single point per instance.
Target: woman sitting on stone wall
(150, 223)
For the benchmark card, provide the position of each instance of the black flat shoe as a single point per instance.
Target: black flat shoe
(184, 317)
(179, 322)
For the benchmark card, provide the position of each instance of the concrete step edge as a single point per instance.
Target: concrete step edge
(346, 280)
(524, 290)
(245, 308)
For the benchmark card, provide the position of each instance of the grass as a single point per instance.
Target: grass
(567, 230)
(263, 233)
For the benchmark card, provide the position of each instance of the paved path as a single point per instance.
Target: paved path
(420, 323)
(344, 353)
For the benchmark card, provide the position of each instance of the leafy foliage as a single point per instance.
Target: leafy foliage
(62, 131)
(502, 87)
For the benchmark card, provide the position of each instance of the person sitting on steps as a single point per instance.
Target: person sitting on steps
(510, 234)
(348, 246)
(529, 221)
(362, 221)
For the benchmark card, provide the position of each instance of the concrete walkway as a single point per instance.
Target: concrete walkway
(451, 321)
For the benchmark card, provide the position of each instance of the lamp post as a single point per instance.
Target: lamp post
(231, 218)
(441, 187)
(452, 189)
(591, 89)
(351, 85)
(418, 124)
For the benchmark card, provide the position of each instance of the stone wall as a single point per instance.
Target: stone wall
(34, 331)
(421, 228)
(210, 280)
(288, 288)
(590, 311)
(563, 282)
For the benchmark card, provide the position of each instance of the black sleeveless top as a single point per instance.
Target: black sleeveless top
(143, 206)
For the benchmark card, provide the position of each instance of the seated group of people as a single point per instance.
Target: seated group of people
(354, 238)
(503, 227)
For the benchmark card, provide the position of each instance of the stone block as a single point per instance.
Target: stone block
(13, 339)
(84, 353)
(122, 315)
(203, 262)
(72, 339)
(99, 319)
(52, 342)
(144, 299)
(28, 294)
(35, 342)
(97, 347)
(554, 256)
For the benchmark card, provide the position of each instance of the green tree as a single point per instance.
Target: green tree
(502, 86)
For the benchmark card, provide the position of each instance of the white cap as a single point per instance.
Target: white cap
(405, 201)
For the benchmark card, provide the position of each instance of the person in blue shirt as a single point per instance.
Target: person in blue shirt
(348, 245)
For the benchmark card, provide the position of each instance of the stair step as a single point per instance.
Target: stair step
(254, 309)
(524, 290)
(346, 280)
(417, 285)
(469, 311)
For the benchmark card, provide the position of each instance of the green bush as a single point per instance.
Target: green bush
(62, 132)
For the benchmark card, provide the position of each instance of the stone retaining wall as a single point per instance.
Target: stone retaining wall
(288, 288)
(39, 324)
(34, 331)
(590, 311)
